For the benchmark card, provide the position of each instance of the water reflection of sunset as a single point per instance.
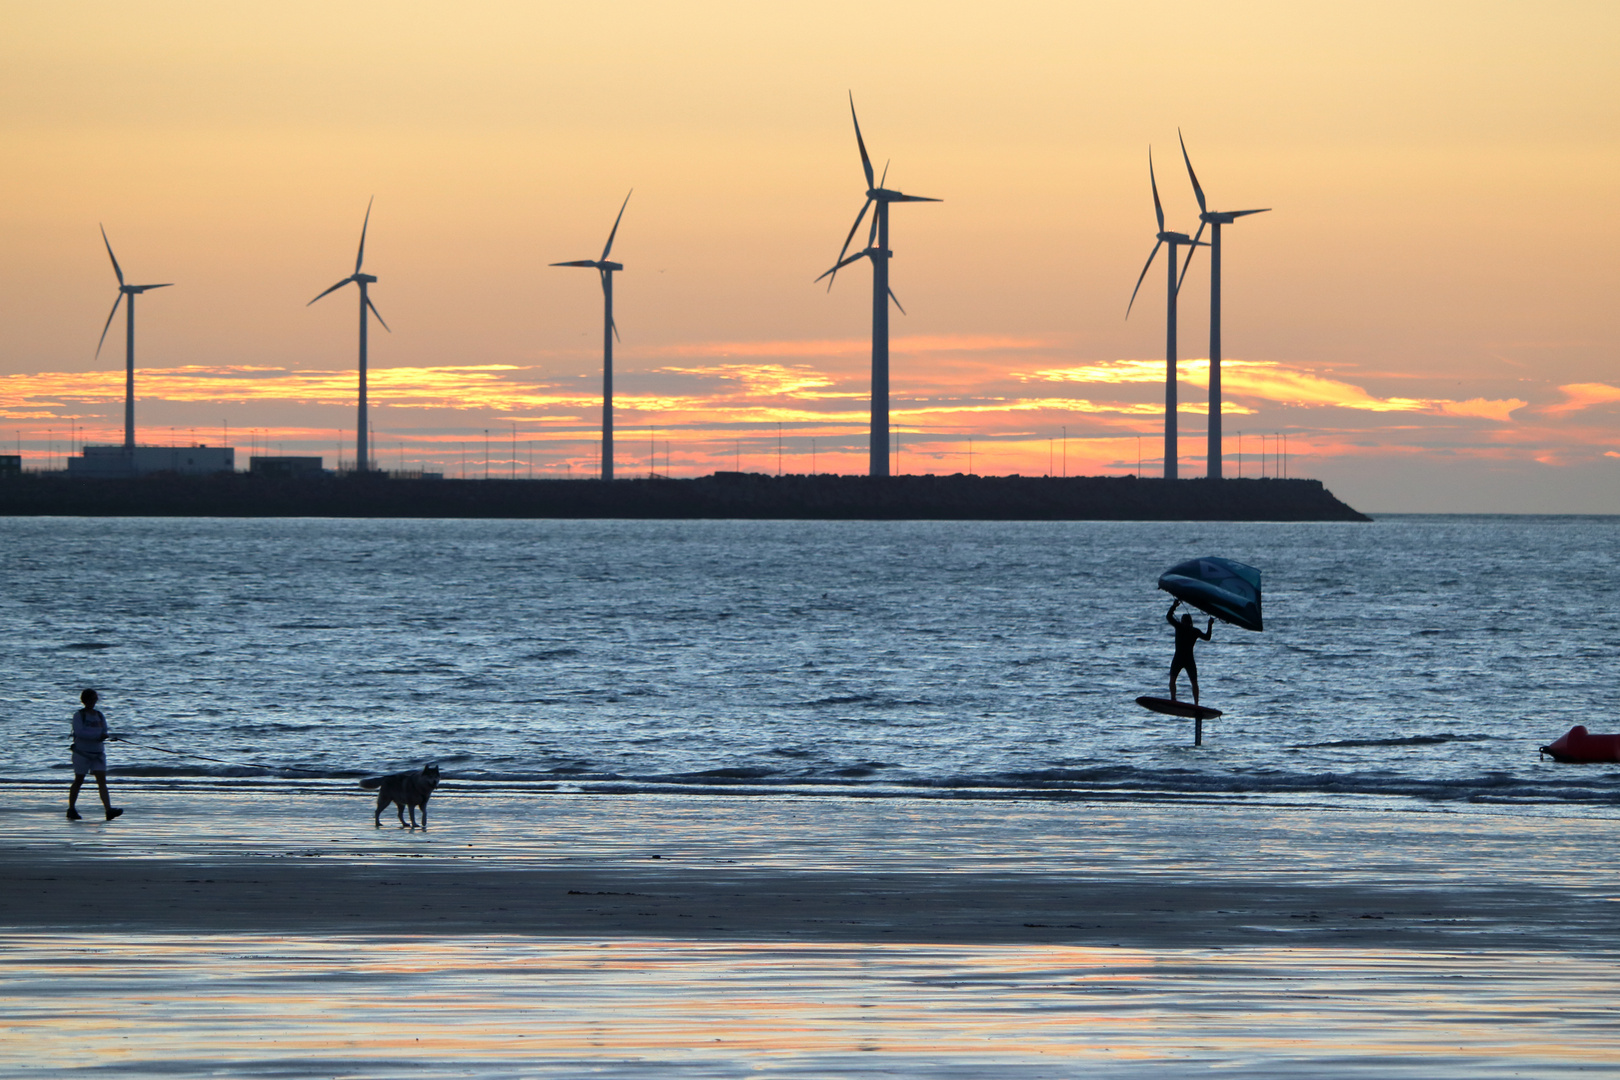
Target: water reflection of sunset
(642, 1007)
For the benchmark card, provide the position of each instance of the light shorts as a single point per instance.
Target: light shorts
(89, 763)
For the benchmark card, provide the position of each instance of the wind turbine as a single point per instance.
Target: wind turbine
(130, 291)
(610, 330)
(1175, 240)
(877, 249)
(362, 462)
(1214, 219)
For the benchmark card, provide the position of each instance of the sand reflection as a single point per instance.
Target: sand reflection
(496, 1006)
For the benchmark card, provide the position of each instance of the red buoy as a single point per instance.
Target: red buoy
(1580, 745)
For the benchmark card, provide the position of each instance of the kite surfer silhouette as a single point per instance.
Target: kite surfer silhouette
(1187, 635)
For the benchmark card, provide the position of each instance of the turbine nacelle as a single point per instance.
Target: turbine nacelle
(875, 193)
(890, 196)
(123, 290)
(1162, 237)
(361, 280)
(1206, 216)
(368, 311)
(605, 269)
(1226, 217)
(595, 264)
(359, 277)
(603, 265)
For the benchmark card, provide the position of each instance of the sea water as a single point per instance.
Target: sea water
(1414, 658)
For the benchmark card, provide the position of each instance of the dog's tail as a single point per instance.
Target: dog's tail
(372, 782)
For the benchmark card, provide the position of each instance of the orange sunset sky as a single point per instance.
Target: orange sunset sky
(1428, 312)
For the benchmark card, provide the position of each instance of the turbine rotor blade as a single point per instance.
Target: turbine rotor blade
(616, 221)
(1158, 210)
(577, 262)
(108, 323)
(1192, 247)
(896, 300)
(116, 269)
(884, 179)
(377, 313)
(1246, 213)
(871, 233)
(361, 256)
(866, 162)
(1156, 245)
(865, 206)
(1198, 191)
(857, 257)
(613, 324)
(334, 288)
(914, 198)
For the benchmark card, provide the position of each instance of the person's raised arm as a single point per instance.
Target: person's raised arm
(1209, 631)
(1170, 616)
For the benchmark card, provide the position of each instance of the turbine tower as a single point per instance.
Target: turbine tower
(1214, 219)
(610, 330)
(1175, 240)
(130, 291)
(362, 460)
(877, 249)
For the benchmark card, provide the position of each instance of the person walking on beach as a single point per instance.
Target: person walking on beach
(90, 735)
(1187, 635)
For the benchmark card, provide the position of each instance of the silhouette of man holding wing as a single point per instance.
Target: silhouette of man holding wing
(1187, 635)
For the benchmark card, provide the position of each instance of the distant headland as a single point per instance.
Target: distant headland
(722, 495)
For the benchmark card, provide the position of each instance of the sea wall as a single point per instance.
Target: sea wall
(723, 495)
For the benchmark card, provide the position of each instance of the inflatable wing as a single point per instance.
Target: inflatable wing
(1228, 590)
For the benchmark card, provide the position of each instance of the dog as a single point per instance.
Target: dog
(406, 790)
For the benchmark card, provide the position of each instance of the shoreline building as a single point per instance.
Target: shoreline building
(107, 461)
(282, 466)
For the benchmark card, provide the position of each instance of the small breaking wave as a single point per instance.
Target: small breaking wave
(1406, 740)
(878, 779)
(552, 654)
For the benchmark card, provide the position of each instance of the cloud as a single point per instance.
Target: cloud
(899, 346)
(1484, 408)
(1108, 371)
(777, 379)
(501, 387)
(1579, 396)
(1282, 383)
(1049, 404)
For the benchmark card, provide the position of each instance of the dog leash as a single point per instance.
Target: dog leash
(220, 761)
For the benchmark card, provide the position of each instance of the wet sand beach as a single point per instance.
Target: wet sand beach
(273, 930)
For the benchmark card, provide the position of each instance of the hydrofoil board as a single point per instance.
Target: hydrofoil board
(1178, 708)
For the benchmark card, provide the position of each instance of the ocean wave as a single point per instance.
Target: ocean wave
(1109, 782)
(1408, 740)
(552, 654)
